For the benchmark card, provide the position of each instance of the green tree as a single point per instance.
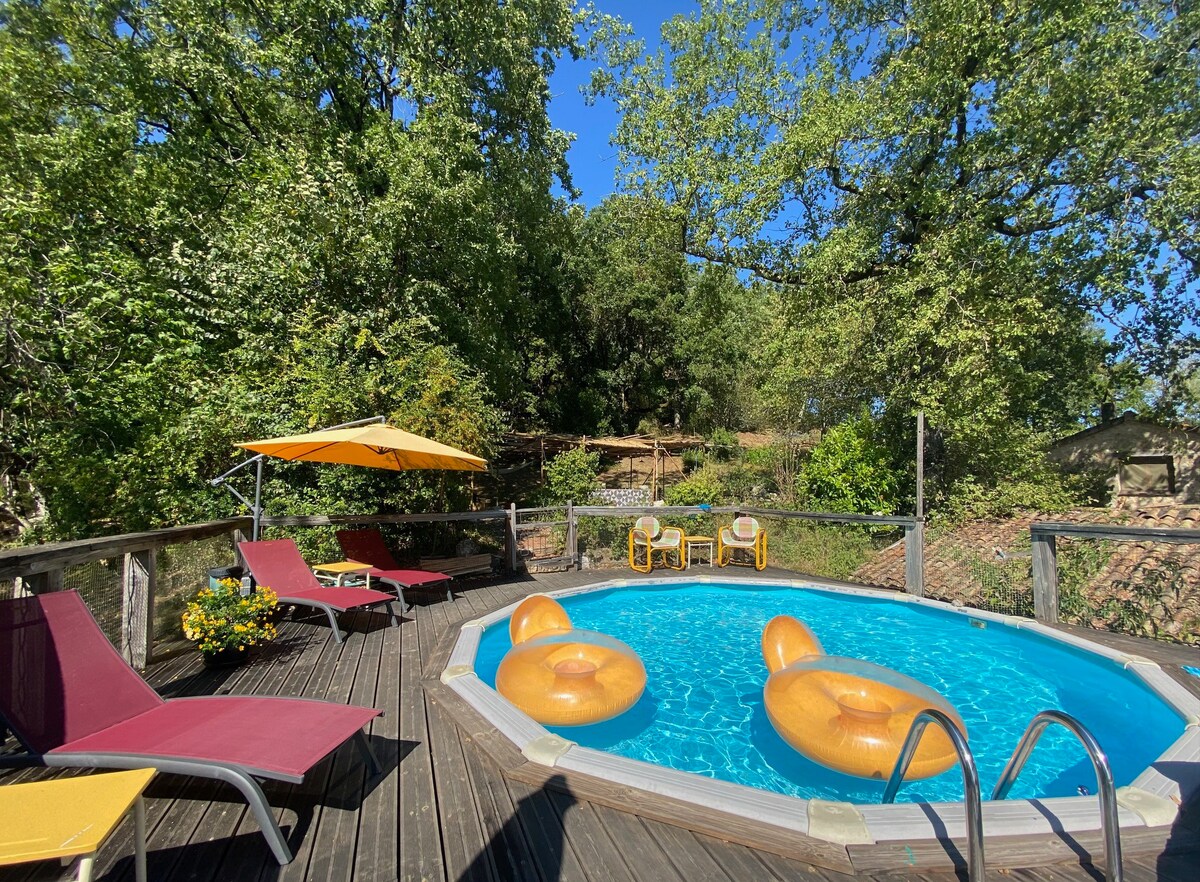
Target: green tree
(950, 193)
(849, 471)
(571, 476)
(195, 192)
(662, 340)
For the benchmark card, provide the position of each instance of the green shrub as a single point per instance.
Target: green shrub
(700, 487)
(693, 458)
(833, 552)
(849, 471)
(571, 476)
(723, 444)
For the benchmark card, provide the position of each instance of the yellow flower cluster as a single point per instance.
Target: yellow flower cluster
(222, 618)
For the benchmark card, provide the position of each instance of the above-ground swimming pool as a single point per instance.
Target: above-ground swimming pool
(700, 736)
(702, 710)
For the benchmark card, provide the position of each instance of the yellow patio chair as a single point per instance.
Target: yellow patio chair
(650, 536)
(744, 534)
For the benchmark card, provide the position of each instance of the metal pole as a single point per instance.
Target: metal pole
(1109, 822)
(258, 498)
(971, 795)
(256, 509)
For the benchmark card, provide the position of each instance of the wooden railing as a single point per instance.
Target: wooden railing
(40, 568)
(1045, 553)
(914, 528)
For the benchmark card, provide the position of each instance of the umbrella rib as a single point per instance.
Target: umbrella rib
(307, 452)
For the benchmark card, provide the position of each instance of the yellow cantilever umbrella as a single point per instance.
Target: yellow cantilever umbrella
(376, 445)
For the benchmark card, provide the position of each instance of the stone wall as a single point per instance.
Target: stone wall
(1103, 448)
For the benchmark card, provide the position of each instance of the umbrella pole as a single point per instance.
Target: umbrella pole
(257, 499)
(256, 508)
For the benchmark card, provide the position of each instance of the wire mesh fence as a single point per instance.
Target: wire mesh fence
(832, 551)
(542, 537)
(99, 583)
(826, 550)
(182, 570)
(1143, 589)
(604, 541)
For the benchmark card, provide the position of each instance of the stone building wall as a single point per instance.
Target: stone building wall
(1105, 448)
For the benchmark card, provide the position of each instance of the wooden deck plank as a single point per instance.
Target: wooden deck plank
(738, 861)
(420, 856)
(317, 800)
(506, 837)
(377, 854)
(555, 858)
(460, 803)
(693, 863)
(336, 848)
(602, 858)
(641, 850)
(463, 842)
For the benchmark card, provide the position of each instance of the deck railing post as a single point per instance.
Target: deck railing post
(572, 535)
(510, 537)
(44, 582)
(137, 605)
(1045, 576)
(914, 558)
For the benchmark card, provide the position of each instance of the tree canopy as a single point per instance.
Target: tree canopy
(208, 204)
(952, 195)
(228, 220)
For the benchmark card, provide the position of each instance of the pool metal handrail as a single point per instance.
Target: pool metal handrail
(1104, 779)
(971, 791)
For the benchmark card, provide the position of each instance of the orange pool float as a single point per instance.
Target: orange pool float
(845, 713)
(563, 676)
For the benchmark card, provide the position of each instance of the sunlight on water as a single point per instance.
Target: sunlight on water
(702, 711)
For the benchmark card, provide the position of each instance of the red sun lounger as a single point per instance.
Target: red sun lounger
(73, 702)
(277, 565)
(368, 547)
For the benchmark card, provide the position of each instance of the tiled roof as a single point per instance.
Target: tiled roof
(1150, 588)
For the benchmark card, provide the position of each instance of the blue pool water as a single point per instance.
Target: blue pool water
(702, 710)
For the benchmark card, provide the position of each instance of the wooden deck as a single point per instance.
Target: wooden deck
(445, 810)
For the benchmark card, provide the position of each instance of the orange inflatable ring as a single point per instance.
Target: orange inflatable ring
(846, 713)
(562, 676)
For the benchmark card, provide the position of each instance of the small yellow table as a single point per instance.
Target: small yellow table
(72, 817)
(343, 568)
(699, 542)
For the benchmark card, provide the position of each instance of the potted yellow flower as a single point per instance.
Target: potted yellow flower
(223, 623)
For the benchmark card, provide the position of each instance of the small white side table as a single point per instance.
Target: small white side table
(697, 542)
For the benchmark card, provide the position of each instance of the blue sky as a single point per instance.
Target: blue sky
(593, 160)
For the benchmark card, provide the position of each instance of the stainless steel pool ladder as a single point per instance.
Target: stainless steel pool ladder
(971, 790)
(1109, 824)
(971, 794)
